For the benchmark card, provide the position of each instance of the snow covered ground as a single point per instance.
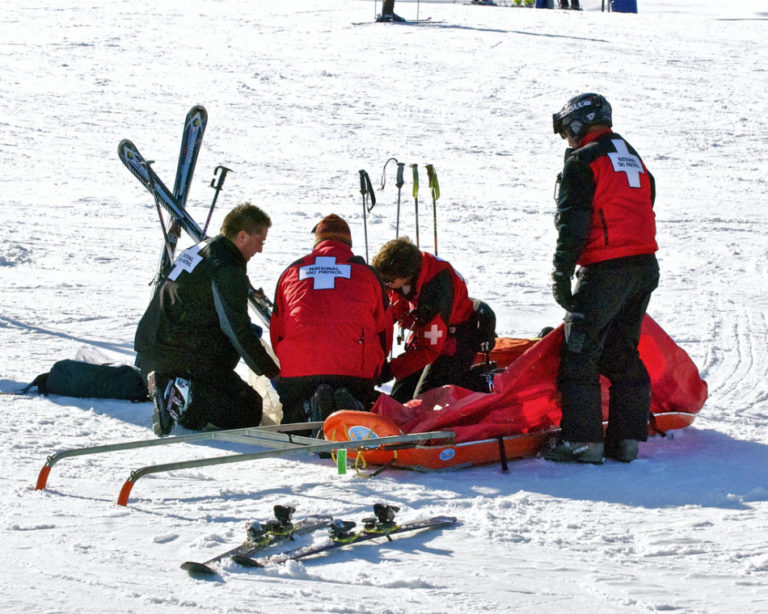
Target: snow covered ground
(299, 99)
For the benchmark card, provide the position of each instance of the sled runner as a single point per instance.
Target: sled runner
(279, 441)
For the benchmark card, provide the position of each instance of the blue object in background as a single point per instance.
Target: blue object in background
(624, 6)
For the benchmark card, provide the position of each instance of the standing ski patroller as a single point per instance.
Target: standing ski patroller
(606, 225)
(134, 162)
(341, 534)
(191, 140)
(434, 188)
(260, 536)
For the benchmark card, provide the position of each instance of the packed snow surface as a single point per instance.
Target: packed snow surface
(299, 100)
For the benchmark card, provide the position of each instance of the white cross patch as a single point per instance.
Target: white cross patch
(625, 162)
(187, 261)
(433, 334)
(324, 272)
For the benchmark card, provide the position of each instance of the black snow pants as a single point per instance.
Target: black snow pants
(219, 398)
(601, 337)
(445, 370)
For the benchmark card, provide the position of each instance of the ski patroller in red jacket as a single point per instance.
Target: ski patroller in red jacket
(605, 203)
(331, 316)
(434, 307)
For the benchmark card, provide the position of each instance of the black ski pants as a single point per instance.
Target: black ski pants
(219, 398)
(445, 370)
(295, 393)
(601, 337)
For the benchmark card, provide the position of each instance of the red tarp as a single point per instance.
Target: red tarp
(525, 397)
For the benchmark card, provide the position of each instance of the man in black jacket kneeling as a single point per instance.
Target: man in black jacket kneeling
(197, 328)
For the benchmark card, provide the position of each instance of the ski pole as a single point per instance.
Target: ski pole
(217, 187)
(399, 183)
(366, 190)
(166, 239)
(416, 198)
(435, 189)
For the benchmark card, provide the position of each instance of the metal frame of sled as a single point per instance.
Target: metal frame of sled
(279, 439)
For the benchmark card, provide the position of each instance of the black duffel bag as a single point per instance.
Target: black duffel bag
(73, 378)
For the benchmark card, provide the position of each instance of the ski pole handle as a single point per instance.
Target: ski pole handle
(217, 187)
(367, 188)
(365, 183)
(224, 170)
(435, 187)
(400, 181)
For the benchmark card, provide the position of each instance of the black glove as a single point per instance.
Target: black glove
(385, 375)
(561, 289)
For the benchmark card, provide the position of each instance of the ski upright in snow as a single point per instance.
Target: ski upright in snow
(191, 140)
(143, 171)
(262, 536)
(341, 534)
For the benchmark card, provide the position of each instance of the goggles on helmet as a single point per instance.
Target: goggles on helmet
(560, 121)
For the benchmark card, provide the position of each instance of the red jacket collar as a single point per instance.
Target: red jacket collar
(330, 247)
(593, 136)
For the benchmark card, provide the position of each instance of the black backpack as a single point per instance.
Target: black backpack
(73, 378)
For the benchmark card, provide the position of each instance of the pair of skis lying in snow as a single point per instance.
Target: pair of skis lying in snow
(341, 533)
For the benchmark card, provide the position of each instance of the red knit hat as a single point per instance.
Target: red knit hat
(332, 228)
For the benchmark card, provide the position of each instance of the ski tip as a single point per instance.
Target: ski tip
(197, 569)
(445, 520)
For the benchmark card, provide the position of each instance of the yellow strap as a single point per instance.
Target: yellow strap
(358, 460)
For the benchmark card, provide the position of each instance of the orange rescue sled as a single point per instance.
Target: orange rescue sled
(523, 410)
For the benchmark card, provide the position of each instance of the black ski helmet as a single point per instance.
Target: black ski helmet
(581, 112)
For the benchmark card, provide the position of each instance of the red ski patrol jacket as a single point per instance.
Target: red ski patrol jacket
(331, 316)
(605, 203)
(434, 310)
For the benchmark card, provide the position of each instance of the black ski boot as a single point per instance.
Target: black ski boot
(162, 421)
(388, 12)
(345, 400)
(321, 403)
(170, 401)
